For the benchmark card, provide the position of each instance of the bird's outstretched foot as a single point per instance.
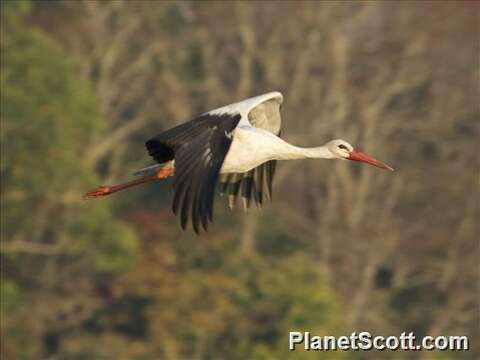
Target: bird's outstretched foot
(98, 192)
(107, 190)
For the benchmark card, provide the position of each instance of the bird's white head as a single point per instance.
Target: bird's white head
(340, 149)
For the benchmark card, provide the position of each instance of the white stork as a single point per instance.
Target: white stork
(237, 145)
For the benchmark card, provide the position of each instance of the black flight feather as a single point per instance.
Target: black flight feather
(256, 183)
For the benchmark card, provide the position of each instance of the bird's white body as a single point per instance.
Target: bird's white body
(250, 148)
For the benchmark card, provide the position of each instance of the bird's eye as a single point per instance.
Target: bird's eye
(341, 146)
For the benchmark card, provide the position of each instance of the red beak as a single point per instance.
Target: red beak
(359, 156)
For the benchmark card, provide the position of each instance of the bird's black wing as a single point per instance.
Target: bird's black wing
(199, 148)
(164, 146)
(257, 182)
(254, 184)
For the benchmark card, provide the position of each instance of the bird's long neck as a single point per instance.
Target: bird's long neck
(291, 152)
(318, 152)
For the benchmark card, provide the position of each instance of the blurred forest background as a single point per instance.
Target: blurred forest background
(342, 248)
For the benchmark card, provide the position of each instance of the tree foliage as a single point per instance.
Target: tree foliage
(49, 240)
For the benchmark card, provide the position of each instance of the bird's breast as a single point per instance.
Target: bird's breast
(249, 149)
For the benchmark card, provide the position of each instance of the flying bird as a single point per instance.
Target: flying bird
(235, 146)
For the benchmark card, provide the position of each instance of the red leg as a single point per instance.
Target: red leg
(107, 190)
